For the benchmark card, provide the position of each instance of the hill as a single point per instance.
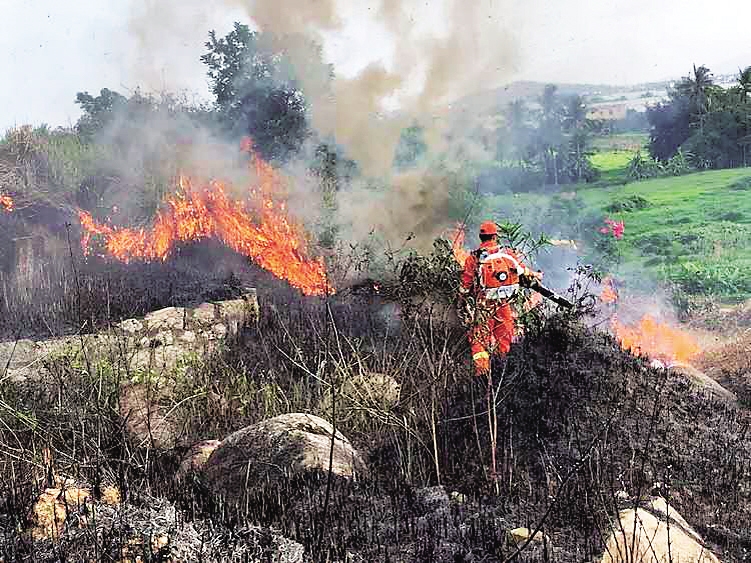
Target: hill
(485, 103)
(689, 231)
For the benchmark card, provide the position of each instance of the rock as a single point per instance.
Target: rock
(622, 496)
(131, 326)
(188, 337)
(379, 388)
(21, 358)
(276, 449)
(369, 391)
(159, 360)
(157, 343)
(458, 497)
(655, 533)
(250, 296)
(233, 309)
(48, 516)
(164, 338)
(50, 511)
(171, 317)
(219, 330)
(195, 459)
(145, 419)
(111, 496)
(519, 537)
(703, 381)
(134, 550)
(539, 548)
(205, 313)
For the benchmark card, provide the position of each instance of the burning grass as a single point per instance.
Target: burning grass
(267, 237)
(6, 203)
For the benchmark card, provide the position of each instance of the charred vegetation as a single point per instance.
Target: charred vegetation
(584, 429)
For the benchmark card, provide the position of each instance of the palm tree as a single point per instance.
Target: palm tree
(744, 81)
(698, 88)
(549, 102)
(516, 120)
(550, 129)
(575, 113)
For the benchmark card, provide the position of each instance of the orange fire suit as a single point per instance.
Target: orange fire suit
(491, 276)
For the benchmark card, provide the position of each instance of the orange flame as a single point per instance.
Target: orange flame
(657, 340)
(6, 202)
(273, 242)
(648, 336)
(608, 294)
(457, 245)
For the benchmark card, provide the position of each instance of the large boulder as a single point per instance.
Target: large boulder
(195, 459)
(278, 449)
(703, 382)
(655, 533)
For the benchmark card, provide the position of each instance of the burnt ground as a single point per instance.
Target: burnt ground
(578, 421)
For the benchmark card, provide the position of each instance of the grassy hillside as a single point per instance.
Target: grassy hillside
(613, 165)
(612, 154)
(621, 142)
(692, 232)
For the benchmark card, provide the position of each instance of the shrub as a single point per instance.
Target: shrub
(631, 203)
(679, 164)
(641, 168)
(741, 184)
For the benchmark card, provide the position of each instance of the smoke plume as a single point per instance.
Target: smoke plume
(438, 55)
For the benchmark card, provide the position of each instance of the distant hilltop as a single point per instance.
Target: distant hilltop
(487, 100)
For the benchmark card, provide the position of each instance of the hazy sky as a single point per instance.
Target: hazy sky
(50, 49)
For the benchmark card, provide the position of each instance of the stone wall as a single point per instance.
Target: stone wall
(161, 341)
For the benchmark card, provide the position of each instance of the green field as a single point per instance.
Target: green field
(613, 165)
(692, 232)
(620, 142)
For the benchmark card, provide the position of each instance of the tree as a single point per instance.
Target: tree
(744, 83)
(578, 165)
(669, 127)
(550, 132)
(517, 131)
(256, 88)
(574, 114)
(696, 88)
(671, 122)
(98, 111)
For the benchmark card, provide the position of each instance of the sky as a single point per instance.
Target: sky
(51, 49)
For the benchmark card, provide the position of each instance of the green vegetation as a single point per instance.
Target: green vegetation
(620, 142)
(710, 122)
(613, 165)
(691, 232)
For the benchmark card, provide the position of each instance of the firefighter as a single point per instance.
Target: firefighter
(489, 282)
